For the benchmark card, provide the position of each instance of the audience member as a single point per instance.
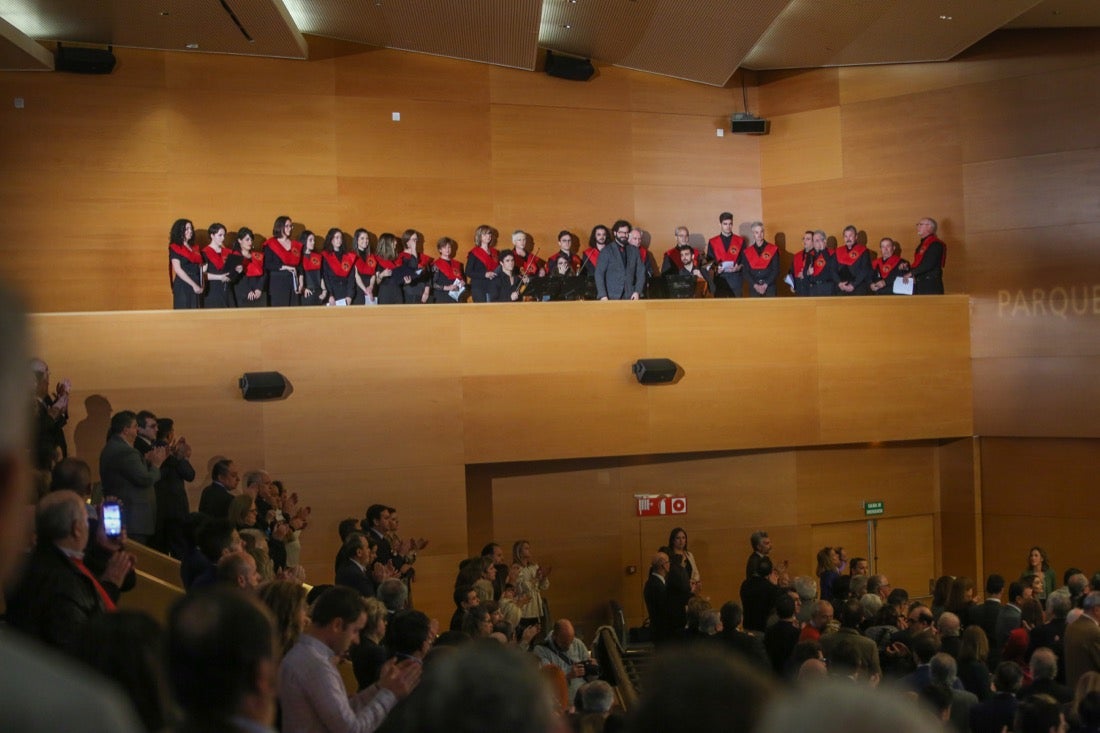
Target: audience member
(943, 670)
(221, 657)
(995, 714)
(217, 497)
(311, 690)
(750, 648)
(287, 602)
(238, 569)
(568, 653)
(1082, 643)
(1044, 668)
(173, 505)
(368, 656)
(130, 476)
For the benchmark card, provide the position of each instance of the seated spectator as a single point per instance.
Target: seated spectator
(213, 539)
(287, 602)
(1044, 667)
(700, 690)
(254, 543)
(57, 593)
(238, 569)
(221, 659)
(995, 714)
(568, 653)
(368, 656)
(126, 648)
(311, 690)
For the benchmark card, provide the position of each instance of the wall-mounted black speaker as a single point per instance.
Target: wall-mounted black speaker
(749, 126)
(654, 371)
(569, 67)
(262, 385)
(80, 60)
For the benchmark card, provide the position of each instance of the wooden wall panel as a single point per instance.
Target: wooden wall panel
(537, 207)
(609, 89)
(959, 506)
(870, 132)
(901, 543)
(656, 93)
(389, 74)
(802, 147)
(420, 145)
(865, 83)
(196, 75)
(677, 149)
(662, 208)
(798, 90)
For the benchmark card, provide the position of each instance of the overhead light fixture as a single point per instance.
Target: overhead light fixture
(946, 17)
(192, 45)
(567, 26)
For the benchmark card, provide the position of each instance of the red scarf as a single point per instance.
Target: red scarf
(291, 257)
(885, 267)
(342, 264)
(255, 266)
(820, 260)
(759, 259)
(387, 264)
(188, 253)
(799, 263)
(217, 259)
(923, 247)
(311, 262)
(847, 256)
(593, 255)
(490, 259)
(727, 255)
(451, 269)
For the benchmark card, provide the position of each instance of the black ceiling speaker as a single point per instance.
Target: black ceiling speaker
(569, 67)
(80, 60)
(743, 123)
(654, 371)
(262, 385)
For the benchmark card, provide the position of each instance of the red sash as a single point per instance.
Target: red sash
(188, 253)
(848, 257)
(592, 254)
(217, 259)
(291, 258)
(528, 265)
(490, 259)
(311, 262)
(923, 247)
(341, 264)
(673, 256)
(366, 265)
(885, 267)
(760, 259)
(820, 260)
(255, 266)
(387, 264)
(799, 263)
(451, 269)
(722, 254)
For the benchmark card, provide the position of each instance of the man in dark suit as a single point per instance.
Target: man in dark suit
(996, 713)
(217, 497)
(985, 614)
(781, 637)
(52, 415)
(146, 432)
(759, 595)
(1010, 616)
(620, 274)
(173, 505)
(130, 477)
(1044, 666)
(1052, 634)
(655, 594)
(354, 571)
(950, 641)
(850, 617)
(747, 646)
(58, 594)
(1082, 644)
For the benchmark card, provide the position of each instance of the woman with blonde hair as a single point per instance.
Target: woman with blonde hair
(287, 602)
(482, 263)
(242, 511)
(973, 653)
(531, 581)
(368, 656)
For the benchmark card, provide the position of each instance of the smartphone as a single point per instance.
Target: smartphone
(112, 519)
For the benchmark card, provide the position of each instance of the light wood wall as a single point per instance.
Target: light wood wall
(393, 404)
(1039, 492)
(1001, 147)
(97, 168)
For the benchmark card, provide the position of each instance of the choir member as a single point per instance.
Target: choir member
(186, 264)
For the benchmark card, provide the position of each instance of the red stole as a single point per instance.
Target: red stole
(759, 259)
(592, 254)
(291, 258)
(923, 247)
(366, 265)
(820, 260)
(342, 264)
(848, 257)
(311, 262)
(528, 265)
(255, 267)
(726, 255)
(217, 259)
(451, 269)
(885, 267)
(490, 259)
(190, 254)
(799, 263)
(387, 264)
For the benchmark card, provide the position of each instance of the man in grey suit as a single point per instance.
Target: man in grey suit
(130, 477)
(620, 274)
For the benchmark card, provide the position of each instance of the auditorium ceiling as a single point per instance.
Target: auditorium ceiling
(704, 41)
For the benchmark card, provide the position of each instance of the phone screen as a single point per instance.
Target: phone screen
(112, 519)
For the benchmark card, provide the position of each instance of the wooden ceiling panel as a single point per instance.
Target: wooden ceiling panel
(501, 32)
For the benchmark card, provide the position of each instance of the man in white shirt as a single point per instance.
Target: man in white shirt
(311, 690)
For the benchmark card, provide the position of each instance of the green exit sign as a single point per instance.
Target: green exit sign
(873, 508)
